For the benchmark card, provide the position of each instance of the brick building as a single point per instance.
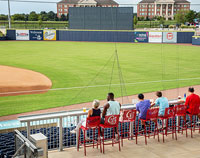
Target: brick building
(63, 6)
(165, 8)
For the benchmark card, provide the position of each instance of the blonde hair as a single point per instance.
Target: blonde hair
(96, 103)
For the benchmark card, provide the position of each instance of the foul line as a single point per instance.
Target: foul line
(57, 89)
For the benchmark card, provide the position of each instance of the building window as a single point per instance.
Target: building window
(65, 14)
(152, 13)
(185, 5)
(65, 10)
(65, 6)
(149, 14)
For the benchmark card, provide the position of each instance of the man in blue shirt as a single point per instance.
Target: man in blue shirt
(142, 107)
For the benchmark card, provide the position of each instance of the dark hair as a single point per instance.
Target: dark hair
(111, 95)
(159, 93)
(191, 89)
(141, 96)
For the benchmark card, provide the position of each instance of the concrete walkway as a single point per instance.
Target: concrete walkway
(182, 148)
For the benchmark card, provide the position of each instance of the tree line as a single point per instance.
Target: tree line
(33, 16)
(181, 17)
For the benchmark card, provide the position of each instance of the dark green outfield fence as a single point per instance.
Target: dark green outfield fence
(101, 36)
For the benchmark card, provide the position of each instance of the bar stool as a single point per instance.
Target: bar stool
(180, 112)
(92, 123)
(112, 122)
(169, 114)
(128, 116)
(152, 116)
(194, 114)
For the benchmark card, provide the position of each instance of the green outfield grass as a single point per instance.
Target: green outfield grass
(74, 64)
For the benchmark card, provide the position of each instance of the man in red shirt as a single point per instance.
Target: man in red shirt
(192, 101)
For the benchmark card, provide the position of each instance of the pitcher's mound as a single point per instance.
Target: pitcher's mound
(17, 81)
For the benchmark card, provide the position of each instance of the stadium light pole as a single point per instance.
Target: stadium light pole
(9, 20)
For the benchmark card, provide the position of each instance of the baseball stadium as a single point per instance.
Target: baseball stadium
(54, 82)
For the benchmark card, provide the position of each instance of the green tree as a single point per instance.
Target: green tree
(198, 15)
(180, 17)
(51, 16)
(44, 16)
(33, 16)
(40, 20)
(135, 20)
(18, 17)
(162, 21)
(3, 17)
(190, 16)
(63, 18)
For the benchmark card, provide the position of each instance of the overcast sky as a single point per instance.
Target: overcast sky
(21, 7)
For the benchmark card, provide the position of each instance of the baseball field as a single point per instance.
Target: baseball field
(73, 65)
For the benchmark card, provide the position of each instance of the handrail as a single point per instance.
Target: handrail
(61, 114)
(71, 113)
(26, 141)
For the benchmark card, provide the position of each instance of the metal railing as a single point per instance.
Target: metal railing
(57, 126)
(23, 147)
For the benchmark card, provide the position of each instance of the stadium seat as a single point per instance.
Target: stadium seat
(127, 117)
(92, 124)
(151, 117)
(111, 121)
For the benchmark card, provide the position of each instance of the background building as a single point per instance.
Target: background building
(63, 6)
(165, 8)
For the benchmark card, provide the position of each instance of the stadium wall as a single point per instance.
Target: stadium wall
(101, 36)
(196, 40)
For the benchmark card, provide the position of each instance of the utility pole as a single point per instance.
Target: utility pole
(9, 19)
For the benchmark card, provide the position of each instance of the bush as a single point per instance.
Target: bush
(1, 34)
(172, 26)
(192, 27)
(184, 26)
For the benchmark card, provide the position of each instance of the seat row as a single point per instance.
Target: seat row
(173, 122)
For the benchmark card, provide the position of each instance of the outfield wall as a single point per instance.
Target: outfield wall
(101, 36)
(196, 40)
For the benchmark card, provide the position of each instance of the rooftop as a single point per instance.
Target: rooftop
(152, 1)
(182, 148)
(99, 2)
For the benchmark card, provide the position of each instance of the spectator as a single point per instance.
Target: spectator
(112, 107)
(192, 101)
(95, 111)
(142, 107)
(163, 103)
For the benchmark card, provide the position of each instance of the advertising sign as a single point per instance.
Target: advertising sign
(170, 37)
(50, 35)
(141, 37)
(22, 34)
(36, 35)
(155, 37)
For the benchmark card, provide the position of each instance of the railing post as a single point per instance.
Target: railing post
(131, 130)
(77, 131)
(60, 134)
(28, 129)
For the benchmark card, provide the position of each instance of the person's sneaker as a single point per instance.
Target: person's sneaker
(87, 138)
(116, 137)
(73, 131)
(159, 126)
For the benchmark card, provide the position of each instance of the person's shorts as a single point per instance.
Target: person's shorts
(187, 112)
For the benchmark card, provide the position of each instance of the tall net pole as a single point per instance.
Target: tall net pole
(9, 19)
